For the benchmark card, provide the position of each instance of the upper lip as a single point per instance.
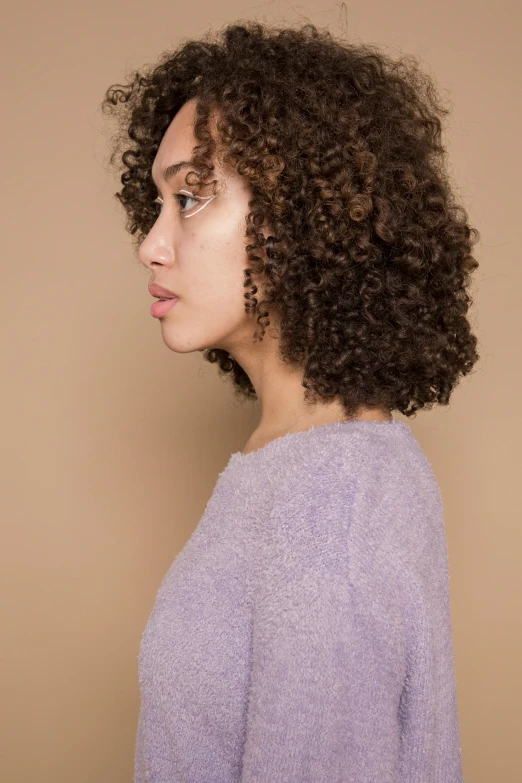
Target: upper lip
(159, 292)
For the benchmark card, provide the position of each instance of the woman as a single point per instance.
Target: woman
(281, 178)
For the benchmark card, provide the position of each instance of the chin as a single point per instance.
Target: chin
(180, 344)
(177, 344)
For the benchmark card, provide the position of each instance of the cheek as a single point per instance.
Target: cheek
(213, 260)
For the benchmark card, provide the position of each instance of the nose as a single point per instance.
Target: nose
(155, 250)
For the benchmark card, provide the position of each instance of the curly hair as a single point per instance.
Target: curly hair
(369, 256)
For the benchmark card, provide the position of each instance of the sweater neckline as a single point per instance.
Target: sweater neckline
(240, 456)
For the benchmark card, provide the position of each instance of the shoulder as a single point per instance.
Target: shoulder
(364, 498)
(341, 463)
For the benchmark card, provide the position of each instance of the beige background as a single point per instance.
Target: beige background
(111, 443)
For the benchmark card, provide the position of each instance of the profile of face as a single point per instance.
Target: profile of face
(196, 249)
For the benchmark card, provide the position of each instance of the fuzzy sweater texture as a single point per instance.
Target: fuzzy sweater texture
(303, 633)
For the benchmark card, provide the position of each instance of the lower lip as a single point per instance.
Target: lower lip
(159, 309)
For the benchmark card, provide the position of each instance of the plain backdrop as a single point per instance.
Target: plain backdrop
(112, 443)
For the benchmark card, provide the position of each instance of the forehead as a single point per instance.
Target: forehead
(177, 142)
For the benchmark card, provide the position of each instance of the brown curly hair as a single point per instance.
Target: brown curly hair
(369, 256)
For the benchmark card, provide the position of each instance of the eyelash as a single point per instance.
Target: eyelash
(178, 196)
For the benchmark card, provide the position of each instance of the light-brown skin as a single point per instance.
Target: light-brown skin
(199, 254)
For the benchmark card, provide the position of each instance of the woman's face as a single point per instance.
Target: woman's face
(196, 250)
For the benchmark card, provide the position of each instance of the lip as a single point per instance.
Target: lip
(160, 309)
(160, 292)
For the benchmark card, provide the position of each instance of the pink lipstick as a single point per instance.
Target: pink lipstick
(161, 308)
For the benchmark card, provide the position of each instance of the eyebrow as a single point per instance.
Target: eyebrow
(170, 171)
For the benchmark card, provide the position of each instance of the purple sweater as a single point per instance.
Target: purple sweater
(303, 633)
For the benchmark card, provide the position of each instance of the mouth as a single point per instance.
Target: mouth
(162, 306)
(158, 292)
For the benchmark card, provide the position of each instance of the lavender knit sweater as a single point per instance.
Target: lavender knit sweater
(303, 633)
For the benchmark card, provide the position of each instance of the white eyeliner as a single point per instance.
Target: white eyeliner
(208, 199)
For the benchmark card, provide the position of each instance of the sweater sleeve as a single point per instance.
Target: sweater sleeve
(336, 608)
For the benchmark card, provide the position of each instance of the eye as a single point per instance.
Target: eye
(179, 196)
